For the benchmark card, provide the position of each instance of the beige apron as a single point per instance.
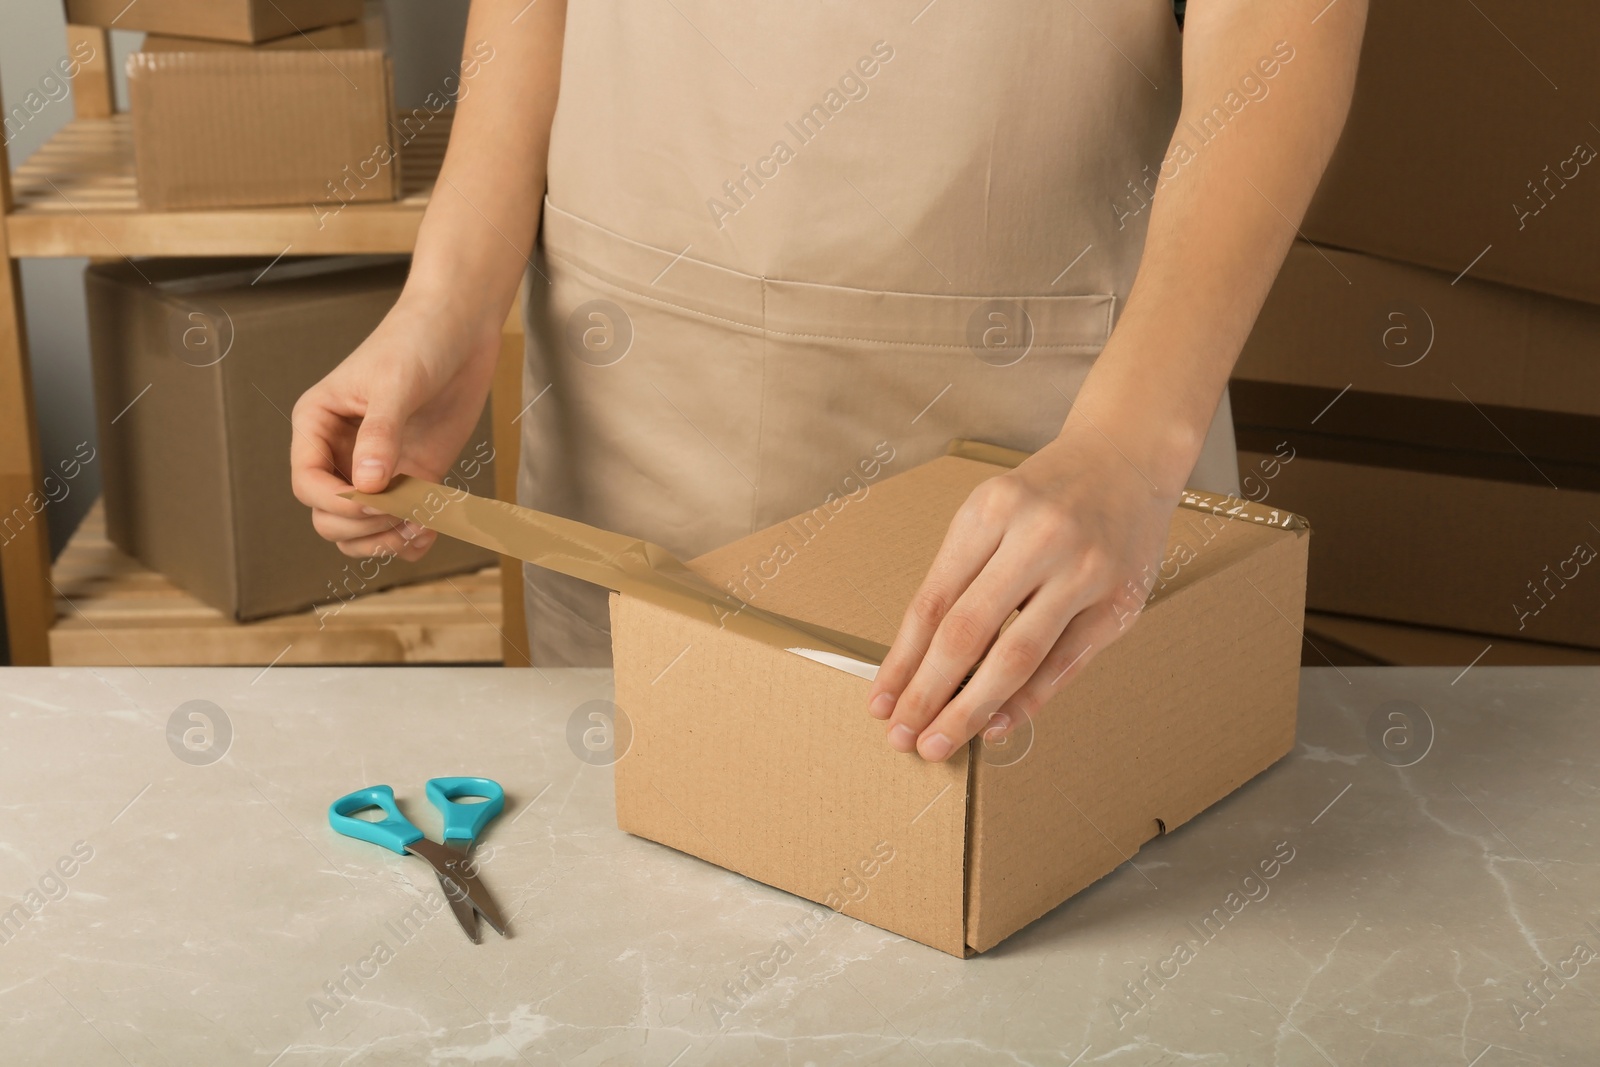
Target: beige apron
(790, 249)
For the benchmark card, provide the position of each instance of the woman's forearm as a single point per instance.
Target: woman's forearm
(1265, 94)
(477, 234)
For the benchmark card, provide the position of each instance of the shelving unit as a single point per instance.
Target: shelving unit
(112, 611)
(76, 197)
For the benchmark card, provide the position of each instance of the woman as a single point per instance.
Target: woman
(776, 244)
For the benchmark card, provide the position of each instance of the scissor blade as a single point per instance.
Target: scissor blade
(465, 914)
(452, 865)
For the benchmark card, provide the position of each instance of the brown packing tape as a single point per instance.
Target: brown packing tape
(1228, 507)
(641, 569)
(625, 564)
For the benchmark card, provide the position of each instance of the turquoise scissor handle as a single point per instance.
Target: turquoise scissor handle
(394, 832)
(464, 822)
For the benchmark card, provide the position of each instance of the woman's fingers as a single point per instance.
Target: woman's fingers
(319, 452)
(1086, 636)
(407, 541)
(963, 637)
(340, 528)
(377, 449)
(990, 698)
(967, 547)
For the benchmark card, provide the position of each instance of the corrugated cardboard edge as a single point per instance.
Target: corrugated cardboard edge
(1194, 499)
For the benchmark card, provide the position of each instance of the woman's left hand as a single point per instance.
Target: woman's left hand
(1071, 540)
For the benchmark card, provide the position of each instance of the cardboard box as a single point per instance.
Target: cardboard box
(1354, 642)
(751, 746)
(224, 20)
(370, 32)
(1470, 143)
(197, 365)
(1335, 319)
(1429, 424)
(1404, 543)
(303, 120)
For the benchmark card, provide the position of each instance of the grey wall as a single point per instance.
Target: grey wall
(426, 36)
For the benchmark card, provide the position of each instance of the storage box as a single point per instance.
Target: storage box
(1401, 542)
(1335, 319)
(1470, 143)
(756, 752)
(197, 365)
(1429, 424)
(306, 119)
(370, 32)
(225, 20)
(1348, 641)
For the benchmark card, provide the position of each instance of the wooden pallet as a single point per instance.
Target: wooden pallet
(112, 612)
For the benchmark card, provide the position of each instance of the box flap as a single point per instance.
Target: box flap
(859, 573)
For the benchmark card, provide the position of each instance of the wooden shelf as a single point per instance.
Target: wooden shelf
(112, 612)
(76, 196)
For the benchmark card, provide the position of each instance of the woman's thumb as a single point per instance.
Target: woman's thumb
(377, 449)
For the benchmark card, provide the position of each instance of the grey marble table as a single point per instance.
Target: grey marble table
(1433, 897)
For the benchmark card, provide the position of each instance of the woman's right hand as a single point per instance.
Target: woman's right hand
(404, 402)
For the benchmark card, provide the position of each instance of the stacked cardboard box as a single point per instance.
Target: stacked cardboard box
(245, 21)
(197, 364)
(1347, 641)
(1471, 141)
(1421, 383)
(245, 103)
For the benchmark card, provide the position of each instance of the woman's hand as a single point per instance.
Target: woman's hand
(1072, 537)
(404, 402)
(407, 399)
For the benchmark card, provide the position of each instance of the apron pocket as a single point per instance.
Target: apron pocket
(794, 389)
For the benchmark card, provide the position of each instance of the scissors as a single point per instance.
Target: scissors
(462, 824)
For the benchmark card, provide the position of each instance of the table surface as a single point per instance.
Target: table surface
(1438, 904)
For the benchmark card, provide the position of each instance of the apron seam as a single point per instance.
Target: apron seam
(766, 331)
(633, 292)
(1092, 346)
